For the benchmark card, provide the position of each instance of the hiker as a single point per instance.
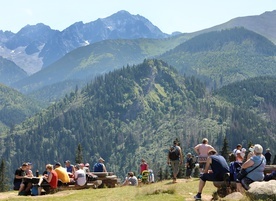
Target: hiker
(80, 176)
(254, 167)
(63, 176)
(202, 152)
(268, 156)
(219, 168)
(238, 153)
(130, 180)
(99, 166)
(189, 166)
(51, 178)
(143, 166)
(19, 182)
(175, 159)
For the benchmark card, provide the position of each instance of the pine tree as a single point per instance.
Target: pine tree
(3, 177)
(224, 151)
(79, 157)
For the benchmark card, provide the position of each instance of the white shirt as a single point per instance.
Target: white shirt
(80, 177)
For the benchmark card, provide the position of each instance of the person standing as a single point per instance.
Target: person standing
(219, 168)
(143, 166)
(268, 156)
(202, 150)
(175, 158)
(189, 166)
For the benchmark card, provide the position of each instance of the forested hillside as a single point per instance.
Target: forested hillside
(132, 113)
(15, 108)
(223, 57)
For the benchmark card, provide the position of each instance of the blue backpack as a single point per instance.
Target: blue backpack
(234, 167)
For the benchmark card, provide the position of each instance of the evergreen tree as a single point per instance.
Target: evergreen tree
(3, 178)
(79, 157)
(224, 152)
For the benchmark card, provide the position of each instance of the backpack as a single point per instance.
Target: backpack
(174, 153)
(235, 167)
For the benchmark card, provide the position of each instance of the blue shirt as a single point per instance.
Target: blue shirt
(258, 173)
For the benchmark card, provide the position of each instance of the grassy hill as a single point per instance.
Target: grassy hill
(165, 190)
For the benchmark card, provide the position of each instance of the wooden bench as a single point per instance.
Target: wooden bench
(228, 187)
(108, 179)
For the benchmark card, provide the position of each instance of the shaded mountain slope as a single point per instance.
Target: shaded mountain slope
(10, 72)
(15, 107)
(224, 57)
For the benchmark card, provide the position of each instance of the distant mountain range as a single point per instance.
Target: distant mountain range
(43, 46)
(81, 52)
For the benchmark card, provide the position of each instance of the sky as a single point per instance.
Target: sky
(169, 16)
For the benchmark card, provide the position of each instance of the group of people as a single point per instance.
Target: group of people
(216, 168)
(144, 174)
(53, 176)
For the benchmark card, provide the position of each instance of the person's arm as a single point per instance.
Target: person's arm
(196, 149)
(181, 156)
(247, 164)
(104, 168)
(208, 162)
(49, 177)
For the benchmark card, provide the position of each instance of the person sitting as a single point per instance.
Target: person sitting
(70, 169)
(19, 182)
(255, 167)
(86, 167)
(130, 180)
(271, 176)
(99, 166)
(238, 153)
(80, 176)
(219, 168)
(63, 176)
(29, 171)
(51, 178)
(234, 167)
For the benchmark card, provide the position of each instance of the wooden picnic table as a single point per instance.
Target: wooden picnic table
(107, 178)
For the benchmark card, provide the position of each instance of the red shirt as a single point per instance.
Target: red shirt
(54, 181)
(143, 167)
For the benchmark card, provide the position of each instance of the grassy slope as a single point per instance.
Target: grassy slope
(165, 190)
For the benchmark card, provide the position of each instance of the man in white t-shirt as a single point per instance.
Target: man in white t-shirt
(80, 176)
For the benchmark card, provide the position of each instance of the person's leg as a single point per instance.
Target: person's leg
(201, 185)
(21, 188)
(28, 187)
(175, 166)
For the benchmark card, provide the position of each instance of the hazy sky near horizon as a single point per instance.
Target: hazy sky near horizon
(169, 16)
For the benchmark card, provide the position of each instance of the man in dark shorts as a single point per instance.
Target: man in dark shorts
(219, 168)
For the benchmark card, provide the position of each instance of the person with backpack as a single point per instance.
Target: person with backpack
(175, 159)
